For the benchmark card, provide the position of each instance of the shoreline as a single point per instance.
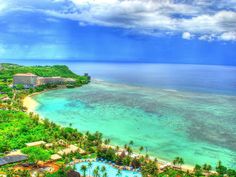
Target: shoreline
(31, 104)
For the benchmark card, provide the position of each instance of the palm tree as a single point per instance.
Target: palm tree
(95, 172)
(89, 166)
(181, 161)
(103, 169)
(129, 149)
(107, 141)
(104, 174)
(141, 149)
(118, 173)
(117, 148)
(178, 161)
(84, 169)
(131, 143)
(207, 168)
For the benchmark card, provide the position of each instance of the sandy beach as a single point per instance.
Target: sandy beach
(30, 103)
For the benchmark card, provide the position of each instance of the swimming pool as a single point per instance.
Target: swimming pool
(111, 171)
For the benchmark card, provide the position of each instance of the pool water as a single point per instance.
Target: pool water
(111, 171)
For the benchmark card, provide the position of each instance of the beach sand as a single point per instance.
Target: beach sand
(30, 103)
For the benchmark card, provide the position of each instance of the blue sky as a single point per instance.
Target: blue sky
(166, 31)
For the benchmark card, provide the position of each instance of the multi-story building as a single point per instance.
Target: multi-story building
(53, 80)
(27, 79)
(30, 80)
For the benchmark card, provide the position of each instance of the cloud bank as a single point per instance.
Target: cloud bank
(191, 19)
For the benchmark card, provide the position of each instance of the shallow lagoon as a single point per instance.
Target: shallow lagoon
(200, 127)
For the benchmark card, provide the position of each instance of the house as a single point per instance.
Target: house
(12, 159)
(69, 150)
(55, 157)
(37, 143)
(48, 145)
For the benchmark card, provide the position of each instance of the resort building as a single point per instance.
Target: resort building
(53, 80)
(28, 80)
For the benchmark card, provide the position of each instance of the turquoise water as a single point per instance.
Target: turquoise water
(200, 127)
(111, 171)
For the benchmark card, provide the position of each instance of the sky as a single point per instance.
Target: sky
(162, 31)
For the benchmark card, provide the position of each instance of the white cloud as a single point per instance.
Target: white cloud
(153, 16)
(205, 20)
(186, 35)
(228, 36)
(3, 5)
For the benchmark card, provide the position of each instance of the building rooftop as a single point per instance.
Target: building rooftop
(70, 149)
(56, 157)
(12, 159)
(37, 143)
(25, 74)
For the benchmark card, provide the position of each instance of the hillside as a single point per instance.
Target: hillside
(8, 70)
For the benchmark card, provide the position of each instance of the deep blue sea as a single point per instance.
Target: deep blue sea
(201, 78)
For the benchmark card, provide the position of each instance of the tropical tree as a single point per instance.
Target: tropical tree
(117, 148)
(104, 174)
(149, 169)
(103, 169)
(198, 170)
(118, 172)
(96, 172)
(89, 167)
(222, 170)
(107, 141)
(84, 169)
(178, 161)
(131, 143)
(141, 149)
(207, 168)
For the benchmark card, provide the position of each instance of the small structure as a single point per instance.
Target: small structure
(15, 152)
(28, 80)
(55, 157)
(69, 150)
(48, 145)
(12, 159)
(37, 143)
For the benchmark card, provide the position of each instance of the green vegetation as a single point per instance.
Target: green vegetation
(36, 153)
